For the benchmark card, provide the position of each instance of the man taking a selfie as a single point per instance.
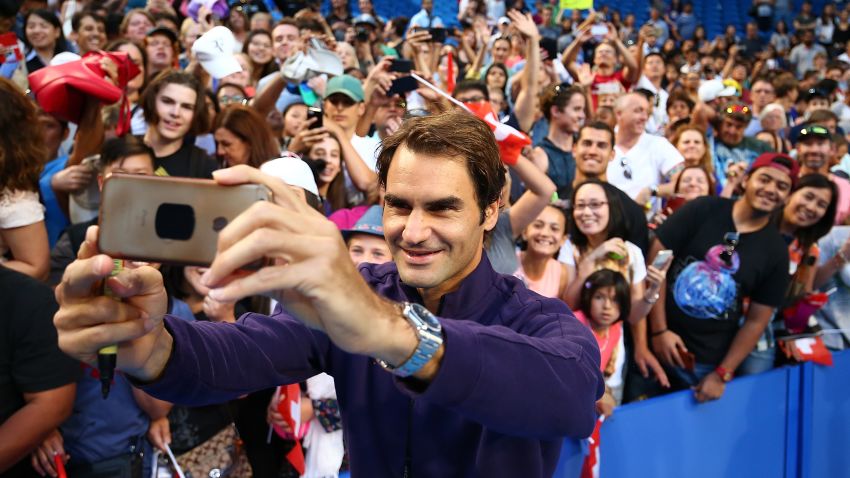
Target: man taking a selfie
(442, 367)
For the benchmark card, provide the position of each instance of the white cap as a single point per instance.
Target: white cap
(712, 89)
(214, 50)
(64, 57)
(293, 171)
(504, 20)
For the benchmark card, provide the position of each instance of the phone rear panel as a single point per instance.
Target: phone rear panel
(169, 220)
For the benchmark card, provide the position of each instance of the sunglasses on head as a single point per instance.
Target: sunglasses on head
(814, 131)
(737, 109)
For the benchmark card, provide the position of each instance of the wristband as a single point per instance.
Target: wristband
(724, 374)
(660, 332)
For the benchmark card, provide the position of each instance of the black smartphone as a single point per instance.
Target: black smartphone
(402, 86)
(314, 112)
(438, 34)
(400, 65)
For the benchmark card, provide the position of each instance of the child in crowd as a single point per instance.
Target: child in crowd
(604, 303)
(543, 239)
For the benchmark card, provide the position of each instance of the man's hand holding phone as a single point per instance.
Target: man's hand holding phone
(87, 320)
(307, 267)
(307, 136)
(310, 271)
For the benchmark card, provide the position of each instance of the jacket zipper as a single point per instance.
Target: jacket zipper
(407, 446)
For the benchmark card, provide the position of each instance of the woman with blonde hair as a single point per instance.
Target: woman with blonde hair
(691, 143)
(190, 30)
(136, 24)
(346, 53)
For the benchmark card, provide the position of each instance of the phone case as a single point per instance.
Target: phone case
(134, 213)
(313, 112)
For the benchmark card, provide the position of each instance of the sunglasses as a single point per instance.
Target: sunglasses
(737, 109)
(627, 170)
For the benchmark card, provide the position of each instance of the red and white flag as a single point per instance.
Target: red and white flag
(510, 140)
(289, 407)
(590, 467)
(812, 349)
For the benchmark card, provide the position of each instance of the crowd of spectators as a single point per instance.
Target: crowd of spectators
(684, 195)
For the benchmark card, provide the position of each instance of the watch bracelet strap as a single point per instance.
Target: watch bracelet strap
(423, 354)
(426, 348)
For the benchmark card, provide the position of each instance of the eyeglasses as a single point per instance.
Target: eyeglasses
(229, 100)
(731, 240)
(627, 170)
(592, 205)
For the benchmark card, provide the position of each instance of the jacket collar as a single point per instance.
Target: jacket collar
(476, 290)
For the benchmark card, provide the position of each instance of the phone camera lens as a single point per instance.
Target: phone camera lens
(219, 223)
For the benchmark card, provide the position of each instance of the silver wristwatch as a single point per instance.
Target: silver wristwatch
(430, 335)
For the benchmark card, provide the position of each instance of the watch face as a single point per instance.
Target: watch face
(424, 315)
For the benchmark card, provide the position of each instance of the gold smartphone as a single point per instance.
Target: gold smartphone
(169, 220)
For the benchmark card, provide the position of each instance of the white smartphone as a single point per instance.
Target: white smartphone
(599, 30)
(661, 258)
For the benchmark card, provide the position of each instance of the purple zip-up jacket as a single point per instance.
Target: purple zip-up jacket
(518, 375)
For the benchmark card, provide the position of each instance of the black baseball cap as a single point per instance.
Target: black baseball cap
(814, 131)
(813, 93)
(171, 34)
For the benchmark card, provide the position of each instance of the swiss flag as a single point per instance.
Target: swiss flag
(511, 141)
(290, 407)
(590, 467)
(812, 349)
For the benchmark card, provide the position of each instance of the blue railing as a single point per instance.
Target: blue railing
(792, 422)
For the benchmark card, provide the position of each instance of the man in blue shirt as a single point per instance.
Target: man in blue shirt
(442, 366)
(686, 22)
(424, 18)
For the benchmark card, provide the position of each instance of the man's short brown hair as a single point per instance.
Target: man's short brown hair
(454, 134)
(200, 118)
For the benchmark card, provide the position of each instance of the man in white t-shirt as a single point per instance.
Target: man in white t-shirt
(642, 161)
(653, 72)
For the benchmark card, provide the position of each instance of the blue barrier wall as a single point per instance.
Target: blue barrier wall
(792, 422)
(827, 421)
